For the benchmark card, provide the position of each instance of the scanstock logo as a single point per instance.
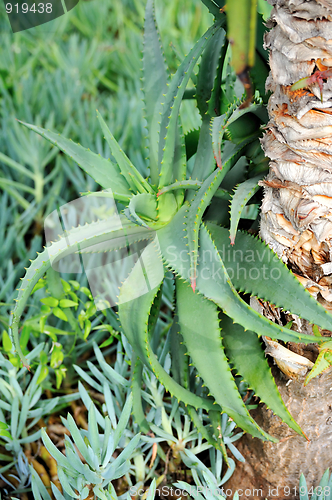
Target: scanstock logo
(26, 14)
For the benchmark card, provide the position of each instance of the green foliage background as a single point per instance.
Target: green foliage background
(57, 77)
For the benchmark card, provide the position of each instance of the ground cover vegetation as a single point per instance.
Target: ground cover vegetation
(147, 386)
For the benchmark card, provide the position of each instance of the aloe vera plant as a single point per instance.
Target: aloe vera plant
(168, 213)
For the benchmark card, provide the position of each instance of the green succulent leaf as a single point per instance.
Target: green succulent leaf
(103, 171)
(219, 124)
(202, 199)
(85, 239)
(135, 303)
(199, 326)
(194, 216)
(254, 268)
(216, 422)
(136, 387)
(220, 289)
(213, 7)
(134, 179)
(218, 130)
(171, 107)
(242, 194)
(207, 70)
(136, 298)
(322, 363)
(155, 311)
(245, 352)
(167, 206)
(180, 360)
(142, 205)
(179, 163)
(204, 160)
(245, 122)
(254, 109)
(59, 313)
(186, 184)
(155, 84)
(218, 102)
(213, 280)
(241, 33)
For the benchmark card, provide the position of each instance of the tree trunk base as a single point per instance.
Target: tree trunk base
(272, 470)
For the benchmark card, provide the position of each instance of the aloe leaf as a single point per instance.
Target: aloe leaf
(210, 146)
(61, 459)
(213, 280)
(199, 325)
(142, 205)
(103, 171)
(155, 311)
(65, 483)
(179, 163)
(167, 206)
(136, 387)
(208, 87)
(186, 184)
(213, 7)
(201, 201)
(180, 360)
(204, 160)
(219, 124)
(256, 109)
(244, 127)
(218, 130)
(169, 121)
(232, 152)
(134, 179)
(254, 268)
(207, 70)
(242, 194)
(216, 422)
(206, 432)
(84, 238)
(39, 490)
(137, 296)
(321, 364)
(155, 84)
(245, 352)
(194, 217)
(135, 303)
(218, 102)
(303, 489)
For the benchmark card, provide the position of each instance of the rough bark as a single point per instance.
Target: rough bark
(296, 214)
(296, 222)
(272, 470)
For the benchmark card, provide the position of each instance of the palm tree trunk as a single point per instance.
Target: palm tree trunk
(296, 222)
